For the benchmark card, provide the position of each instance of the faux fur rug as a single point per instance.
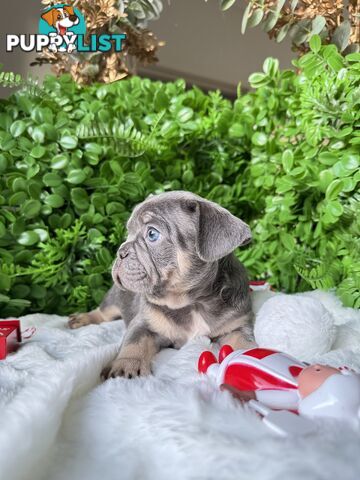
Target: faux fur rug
(59, 422)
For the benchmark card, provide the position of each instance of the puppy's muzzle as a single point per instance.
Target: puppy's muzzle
(127, 271)
(124, 251)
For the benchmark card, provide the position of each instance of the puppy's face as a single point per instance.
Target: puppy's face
(61, 18)
(173, 239)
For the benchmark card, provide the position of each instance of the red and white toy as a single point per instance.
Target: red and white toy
(10, 336)
(286, 392)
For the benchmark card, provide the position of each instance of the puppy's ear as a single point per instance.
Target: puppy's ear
(49, 17)
(69, 9)
(219, 232)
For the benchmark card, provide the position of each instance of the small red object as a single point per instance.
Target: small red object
(260, 353)
(225, 350)
(259, 285)
(205, 360)
(295, 371)
(10, 336)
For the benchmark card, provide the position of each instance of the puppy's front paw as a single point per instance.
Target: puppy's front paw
(78, 320)
(126, 367)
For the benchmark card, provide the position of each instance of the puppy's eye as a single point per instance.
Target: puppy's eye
(153, 234)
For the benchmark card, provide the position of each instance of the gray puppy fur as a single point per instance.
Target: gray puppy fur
(176, 277)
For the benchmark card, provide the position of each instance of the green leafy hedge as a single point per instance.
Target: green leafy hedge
(75, 160)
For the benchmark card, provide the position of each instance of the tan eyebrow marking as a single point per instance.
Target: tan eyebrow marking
(147, 217)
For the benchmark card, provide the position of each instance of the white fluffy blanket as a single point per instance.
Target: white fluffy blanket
(59, 422)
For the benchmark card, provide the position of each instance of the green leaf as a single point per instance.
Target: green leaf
(5, 283)
(256, 17)
(325, 178)
(59, 162)
(283, 32)
(328, 158)
(28, 238)
(7, 143)
(43, 234)
(42, 115)
(257, 80)
(287, 160)
(334, 189)
(259, 138)
(80, 198)
(52, 179)
(93, 148)
(3, 163)
(332, 57)
(20, 291)
(17, 128)
(335, 62)
(236, 130)
(54, 201)
(18, 198)
(341, 35)
(245, 17)
(68, 142)
(301, 31)
(76, 176)
(271, 66)
(353, 57)
(350, 161)
(2, 229)
(315, 43)
(38, 151)
(65, 220)
(132, 178)
(328, 51)
(31, 208)
(226, 4)
(19, 185)
(334, 208)
(271, 20)
(185, 114)
(33, 171)
(3, 298)
(287, 240)
(317, 24)
(188, 177)
(38, 135)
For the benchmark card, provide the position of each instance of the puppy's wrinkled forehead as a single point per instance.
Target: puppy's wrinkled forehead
(169, 209)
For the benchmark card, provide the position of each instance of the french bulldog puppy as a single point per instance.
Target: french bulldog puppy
(175, 277)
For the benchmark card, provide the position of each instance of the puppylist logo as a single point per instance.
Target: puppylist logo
(62, 28)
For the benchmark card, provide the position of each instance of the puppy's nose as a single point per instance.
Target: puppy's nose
(124, 251)
(72, 18)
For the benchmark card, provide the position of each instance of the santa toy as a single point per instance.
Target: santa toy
(286, 392)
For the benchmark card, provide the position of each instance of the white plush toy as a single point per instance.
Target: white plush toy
(295, 324)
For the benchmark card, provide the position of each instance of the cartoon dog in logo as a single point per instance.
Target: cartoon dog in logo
(61, 19)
